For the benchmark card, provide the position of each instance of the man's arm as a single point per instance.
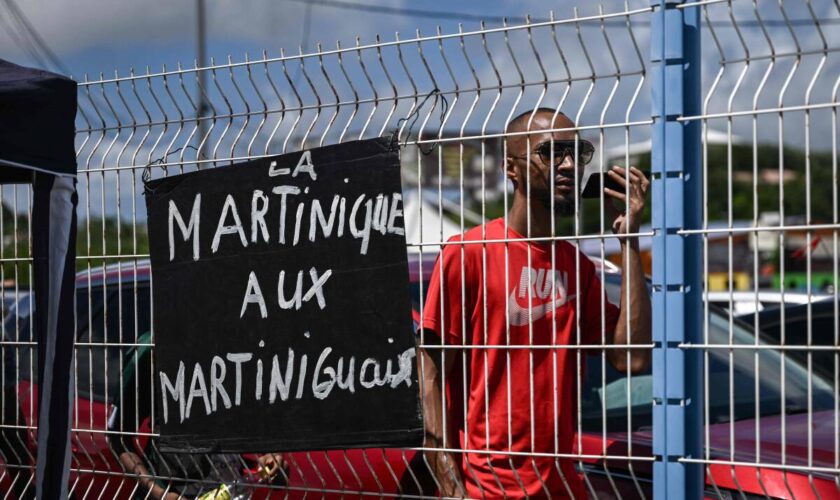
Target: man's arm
(443, 464)
(637, 306)
(132, 410)
(131, 462)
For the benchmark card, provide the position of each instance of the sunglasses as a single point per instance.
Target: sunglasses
(562, 149)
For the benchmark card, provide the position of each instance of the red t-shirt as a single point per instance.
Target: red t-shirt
(506, 409)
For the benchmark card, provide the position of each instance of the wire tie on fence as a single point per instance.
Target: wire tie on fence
(147, 170)
(416, 114)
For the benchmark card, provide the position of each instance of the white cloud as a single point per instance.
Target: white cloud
(100, 24)
(69, 27)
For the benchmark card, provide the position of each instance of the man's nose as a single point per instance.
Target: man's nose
(567, 165)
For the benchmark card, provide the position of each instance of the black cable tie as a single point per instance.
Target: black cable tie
(416, 114)
(147, 170)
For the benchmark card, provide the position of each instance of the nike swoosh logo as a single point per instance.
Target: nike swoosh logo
(521, 316)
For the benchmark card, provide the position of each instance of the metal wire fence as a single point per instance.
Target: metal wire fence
(773, 92)
(770, 220)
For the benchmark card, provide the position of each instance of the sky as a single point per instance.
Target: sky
(96, 39)
(103, 38)
(93, 36)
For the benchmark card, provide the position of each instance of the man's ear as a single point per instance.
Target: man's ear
(510, 172)
(510, 169)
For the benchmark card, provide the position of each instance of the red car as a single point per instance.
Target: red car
(114, 308)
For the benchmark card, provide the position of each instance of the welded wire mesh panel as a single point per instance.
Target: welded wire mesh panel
(19, 361)
(538, 400)
(770, 344)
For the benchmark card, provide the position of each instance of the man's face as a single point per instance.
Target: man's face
(526, 165)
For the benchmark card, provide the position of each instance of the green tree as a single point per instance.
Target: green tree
(14, 246)
(766, 195)
(98, 242)
(101, 241)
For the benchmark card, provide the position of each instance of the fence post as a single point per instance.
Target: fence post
(678, 289)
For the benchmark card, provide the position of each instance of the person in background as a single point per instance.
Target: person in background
(526, 293)
(170, 476)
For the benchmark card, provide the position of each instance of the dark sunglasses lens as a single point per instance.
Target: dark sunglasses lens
(545, 153)
(566, 148)
(585, 151)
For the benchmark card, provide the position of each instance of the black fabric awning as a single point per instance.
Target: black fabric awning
(37, 132)
(37, 123)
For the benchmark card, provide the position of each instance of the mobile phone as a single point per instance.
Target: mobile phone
(592, 189)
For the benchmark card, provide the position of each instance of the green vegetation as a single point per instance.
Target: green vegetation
(767, 163)
(742, 199)
(103, 239)
(14, 230)
(98, 242)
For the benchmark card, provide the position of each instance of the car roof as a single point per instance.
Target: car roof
(421, 264)
(140, 270)
(792, 312)
(121, 272)
(767, 296)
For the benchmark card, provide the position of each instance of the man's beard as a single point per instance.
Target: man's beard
(561, 207)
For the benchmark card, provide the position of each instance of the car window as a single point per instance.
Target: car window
(17, 331)
(129, 314)
(796, 333)
(6, 305)
(723, 304)
(16, 326)
(731, 393)
(823, 328)
(19, 363)
(414, 290)
(110, 333)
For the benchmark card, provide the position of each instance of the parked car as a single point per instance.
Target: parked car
(10, 296)
(112, 304)
(114, 307)
(743, 302)
(795, 320)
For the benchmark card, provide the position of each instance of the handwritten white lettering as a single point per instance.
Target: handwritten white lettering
(222, 228)
(253, 295)
(187, 230)
(331, 373)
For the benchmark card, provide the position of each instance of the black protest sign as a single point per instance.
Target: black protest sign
(282, 317)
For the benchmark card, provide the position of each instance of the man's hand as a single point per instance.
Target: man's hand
(132, 463)
(630, 219)
(270, 465)
(635, 300)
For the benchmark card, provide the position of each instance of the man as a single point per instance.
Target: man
(512, 408)
(169, 476)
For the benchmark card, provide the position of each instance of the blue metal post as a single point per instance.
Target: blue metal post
(678, 287)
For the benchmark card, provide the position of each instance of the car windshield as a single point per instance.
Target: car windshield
(9, 299)
(18, 357)
(16, 325)
(740, 383)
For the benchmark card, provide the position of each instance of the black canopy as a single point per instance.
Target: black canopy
(37, 132)
(37, 118)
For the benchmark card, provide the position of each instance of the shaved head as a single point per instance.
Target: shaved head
(519, 123)
(542, 120)
(529, 130)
